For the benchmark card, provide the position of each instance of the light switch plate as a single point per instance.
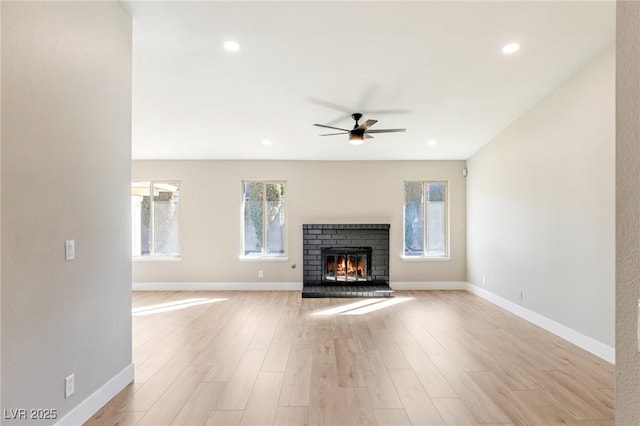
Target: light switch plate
(69, 385)
(69, 250)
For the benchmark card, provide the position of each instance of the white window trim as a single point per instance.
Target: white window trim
(157, 258)
(265, 257)
(446, 257)
(425, 258)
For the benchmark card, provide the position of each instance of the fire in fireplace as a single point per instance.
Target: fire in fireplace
(348, 264)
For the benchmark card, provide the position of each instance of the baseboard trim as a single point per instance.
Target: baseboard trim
(217, 286)
(587, 343)
(87, 408)
(281, 286)
(428, 285)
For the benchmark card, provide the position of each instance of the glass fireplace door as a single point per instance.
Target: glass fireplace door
(347, 267)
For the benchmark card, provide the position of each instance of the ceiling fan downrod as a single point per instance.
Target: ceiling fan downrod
(356, 116)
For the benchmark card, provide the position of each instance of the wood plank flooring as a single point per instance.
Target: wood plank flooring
(421, 358)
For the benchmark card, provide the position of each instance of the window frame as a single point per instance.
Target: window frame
(264, 256)
(446, 256)
(152, 256)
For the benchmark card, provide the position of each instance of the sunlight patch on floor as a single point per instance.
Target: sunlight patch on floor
(377, 306)
(362, 307)
(172, 306)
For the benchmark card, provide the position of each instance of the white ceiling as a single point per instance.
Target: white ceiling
(439, 64)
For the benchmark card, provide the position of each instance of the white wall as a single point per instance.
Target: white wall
(541, 206)
(0, 207)
(65, 174)
(318, 192)
(627, 214)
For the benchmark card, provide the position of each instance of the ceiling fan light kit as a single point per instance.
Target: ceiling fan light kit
(360, 132)
(356, 139)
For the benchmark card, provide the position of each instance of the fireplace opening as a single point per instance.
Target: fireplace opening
(346, 265)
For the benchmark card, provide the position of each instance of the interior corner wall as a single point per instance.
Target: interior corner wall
(541, 206)
(65, 175)
(627, 213)
(317, 192)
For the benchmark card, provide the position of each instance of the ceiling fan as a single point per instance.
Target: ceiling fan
(360, 132)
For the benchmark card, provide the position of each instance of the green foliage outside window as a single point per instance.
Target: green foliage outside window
(425, 218)
(263, 201)
(413, 213)
(254, 208)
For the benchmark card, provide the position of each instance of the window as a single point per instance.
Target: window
(425, 219)
(155, 219)
(263, 225)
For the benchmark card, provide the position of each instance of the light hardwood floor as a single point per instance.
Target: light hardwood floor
(272, 358)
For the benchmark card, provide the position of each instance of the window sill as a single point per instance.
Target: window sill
(263, 259)
(145, 259)
(425, 258)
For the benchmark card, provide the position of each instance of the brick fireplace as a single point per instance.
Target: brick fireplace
(346, 260)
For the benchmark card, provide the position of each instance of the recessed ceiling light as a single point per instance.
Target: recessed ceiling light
(231, 46)
(432, 142)
(266, 142)
(510, 48)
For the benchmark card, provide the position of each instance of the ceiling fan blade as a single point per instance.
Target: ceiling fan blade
(369, 113)
(337, 120)
(368, 136)
(387, 111)
(331, 127)
(331, 105)
(386, 130)
(367, 124)
(332, 134)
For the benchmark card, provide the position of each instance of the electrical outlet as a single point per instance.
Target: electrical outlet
(521, 294)
(484, 279)
(69, 250)
(69, 385)
(260, 274)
